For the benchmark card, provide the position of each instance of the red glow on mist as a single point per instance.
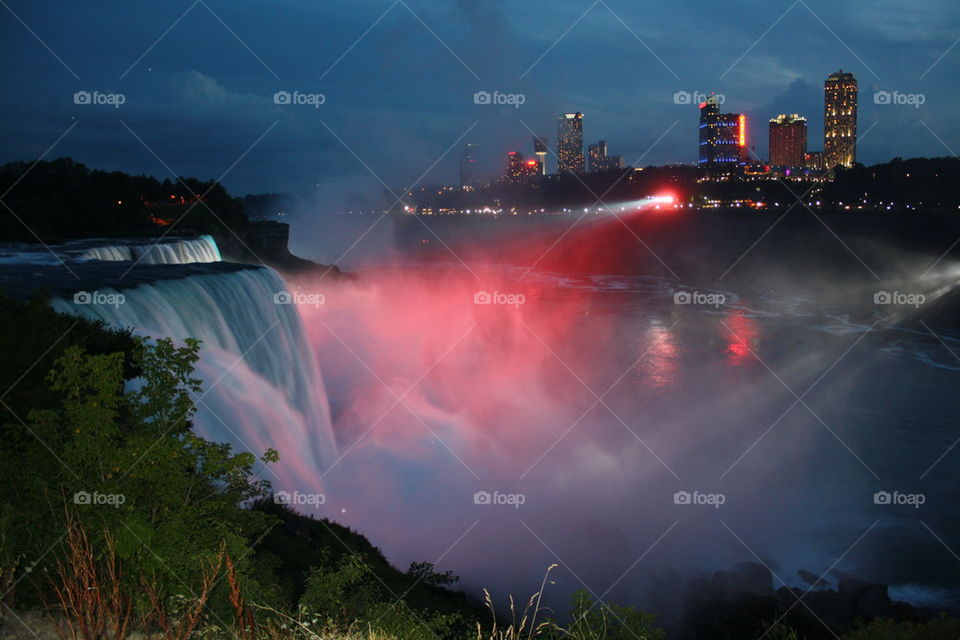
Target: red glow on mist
(741, 333)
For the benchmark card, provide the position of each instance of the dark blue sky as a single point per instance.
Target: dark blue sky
(199, 78)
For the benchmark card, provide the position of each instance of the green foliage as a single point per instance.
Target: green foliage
(423, 572)
(601, 621)
(119, 450)
(885, 629)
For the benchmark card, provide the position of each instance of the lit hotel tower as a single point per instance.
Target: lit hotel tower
(570, 143)
(540, 150)
(840, 120)
(788, 140)
(723, 136)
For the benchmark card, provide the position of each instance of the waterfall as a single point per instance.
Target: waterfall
(114, 253)
(262, 385)
(202, 249)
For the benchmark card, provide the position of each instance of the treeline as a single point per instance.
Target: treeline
(61, 199)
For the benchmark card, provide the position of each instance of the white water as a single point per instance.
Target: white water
(261, 378)
(202, 249)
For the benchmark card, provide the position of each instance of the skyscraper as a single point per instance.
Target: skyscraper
(570, 143)
(518, 168)
(540, 150)
(468, 164)
(840, 120)
(723, 136)
(788, 140)
(594, 154)
(600, 161)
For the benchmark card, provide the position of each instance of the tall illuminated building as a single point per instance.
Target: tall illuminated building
(723, 136)
(595, 153)
(518, 169)
(468, 164)
(840, 120)
(788, 140)
(540, 150)
(570, 143)
(600, 160)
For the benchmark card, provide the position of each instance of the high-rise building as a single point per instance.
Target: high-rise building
(468, 164)
(840, 120)
(518, 169)
(788, 140)
(594, 154)
(723, 136)
(600, 161)
(540, 150)
(570, 143)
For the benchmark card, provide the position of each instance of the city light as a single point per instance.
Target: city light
(743, 130)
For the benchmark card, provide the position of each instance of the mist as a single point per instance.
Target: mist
(580, 395)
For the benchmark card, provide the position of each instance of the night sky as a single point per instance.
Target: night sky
(398, 78)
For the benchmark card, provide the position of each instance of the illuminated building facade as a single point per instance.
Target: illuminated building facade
(594, 154)
(814, 160)
(570, 143)
(600, 160)
(468, 164)
(518, 169)
(723, 136)
(540, 150)
(840, 120)
(788, 140)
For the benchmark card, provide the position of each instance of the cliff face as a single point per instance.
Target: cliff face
(265, 243)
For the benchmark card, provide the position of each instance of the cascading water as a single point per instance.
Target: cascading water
(261, 379)
(202, 249)
(112, 253)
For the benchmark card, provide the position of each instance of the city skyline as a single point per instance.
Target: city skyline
(201, 110)
(724, 140)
